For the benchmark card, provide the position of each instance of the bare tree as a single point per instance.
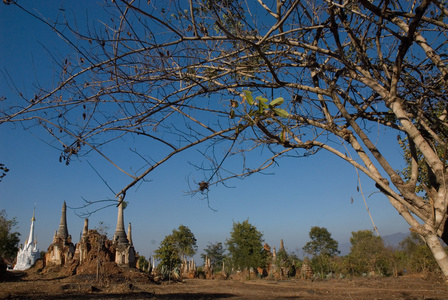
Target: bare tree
(185, 73)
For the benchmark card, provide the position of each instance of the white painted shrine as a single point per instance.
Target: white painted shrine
(28, 254)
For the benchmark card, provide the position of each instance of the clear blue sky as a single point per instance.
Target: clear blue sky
(305, 192)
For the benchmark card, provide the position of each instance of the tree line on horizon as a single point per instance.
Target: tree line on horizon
(245, 251)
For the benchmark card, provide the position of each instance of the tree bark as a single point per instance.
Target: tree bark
(438, 251)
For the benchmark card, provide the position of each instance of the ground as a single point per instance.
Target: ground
(35, 285)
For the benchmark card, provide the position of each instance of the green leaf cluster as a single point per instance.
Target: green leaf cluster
(263, 105)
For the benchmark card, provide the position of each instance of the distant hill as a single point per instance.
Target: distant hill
(392, 240)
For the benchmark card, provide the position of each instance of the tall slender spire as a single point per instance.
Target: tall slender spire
(85, 230)
(120, 234)
(282, 247)
(31, 239)
(130, 234)
(63, 231)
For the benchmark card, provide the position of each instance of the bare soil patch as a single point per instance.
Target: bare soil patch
(33, 285)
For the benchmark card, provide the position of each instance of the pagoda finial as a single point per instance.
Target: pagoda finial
(63, 231)
(34, 210)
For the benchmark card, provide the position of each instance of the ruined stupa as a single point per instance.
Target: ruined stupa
(28, 254)
(62, 250)
(82, 247)
(124, 251)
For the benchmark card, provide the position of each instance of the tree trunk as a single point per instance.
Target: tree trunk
(444, 235)
(439, 253)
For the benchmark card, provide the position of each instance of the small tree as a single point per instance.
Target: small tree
(181, 242)
(367, 253)
(215, 252)
(168, 254)
(185, 241)
(286, 262)
(8, 239)
(321, 247)
(418, 257)
(143, 264)
(282, 259)
(245, 246)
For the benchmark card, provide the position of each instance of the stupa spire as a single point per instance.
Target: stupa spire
(282, 246)
(85, 230)
(120, 234)
(63, 231)
(31, 239)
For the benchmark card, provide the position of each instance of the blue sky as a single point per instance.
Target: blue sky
(306, 192)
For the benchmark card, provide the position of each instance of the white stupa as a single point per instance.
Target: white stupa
(27, 256)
